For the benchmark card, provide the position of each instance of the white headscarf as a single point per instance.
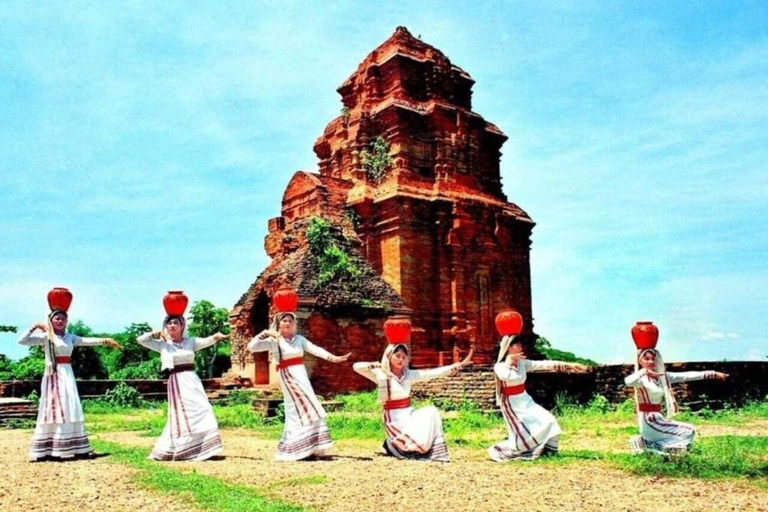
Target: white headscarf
(506, 342)
(669, 397)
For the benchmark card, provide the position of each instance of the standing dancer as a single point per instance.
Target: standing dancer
(411, 434)
(532, 430)
(305, 433)
(191, 431)
(59, 431)
(653, 385)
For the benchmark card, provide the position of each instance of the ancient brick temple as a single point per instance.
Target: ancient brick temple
(409, 177)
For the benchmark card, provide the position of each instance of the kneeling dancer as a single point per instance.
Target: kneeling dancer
(411, 434)
(653, 386)
(59, 430)
(305, 433)
(191, 431)
(532, 430)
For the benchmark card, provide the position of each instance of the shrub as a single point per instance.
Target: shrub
(376, 160)
(124, 395)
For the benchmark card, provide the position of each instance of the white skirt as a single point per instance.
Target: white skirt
(59, 431)
(415, 434)
(532, 430)
(305, 433)
(191, 431)
(658, 434)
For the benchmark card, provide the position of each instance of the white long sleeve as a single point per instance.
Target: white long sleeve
(316, 351)
(146, 340)
(201, 343)
(675, 377)
(87, 342)
(433, 373)
(634, 380)
(32, 338)
(370, 371)
(506, 371)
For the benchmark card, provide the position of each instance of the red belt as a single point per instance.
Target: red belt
(63, 360)
(182, 368)
(293, 361)
(649, 407)
(512, 390)
(397, 404)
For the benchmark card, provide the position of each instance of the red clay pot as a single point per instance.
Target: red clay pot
(645, 335)
(59, 299)
(509, 322)
(397, 329)
(175, 303)
(285, 300)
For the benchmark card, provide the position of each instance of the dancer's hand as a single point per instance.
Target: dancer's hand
(41, 326)
(653, 374)
(112, 343)
(721, 376)
(467, 361)
(340, 359)
(579, 368)
(220, 336)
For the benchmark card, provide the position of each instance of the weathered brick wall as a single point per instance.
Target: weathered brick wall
(365, 339)
(747, 382)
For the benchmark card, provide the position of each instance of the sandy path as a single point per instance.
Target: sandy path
(82, 485)
(358, 479)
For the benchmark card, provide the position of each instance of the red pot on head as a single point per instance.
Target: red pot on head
(59, 299)
(397, 329)
(509, 322)
(645, 335)
(285, 300)
(175, 303)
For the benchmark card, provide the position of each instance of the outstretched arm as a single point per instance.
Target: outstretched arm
(322, 353)
(675, 377)
(201, 343)
(79, 341)
(555, 366)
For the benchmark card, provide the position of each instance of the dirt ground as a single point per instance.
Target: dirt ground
(82, 485)
(357, 478)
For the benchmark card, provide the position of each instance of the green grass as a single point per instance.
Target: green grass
(206, 492)
(467, 426)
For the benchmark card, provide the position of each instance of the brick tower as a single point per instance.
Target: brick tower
(437, 227)
(411, 174)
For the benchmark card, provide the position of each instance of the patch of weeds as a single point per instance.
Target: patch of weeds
(206, 492)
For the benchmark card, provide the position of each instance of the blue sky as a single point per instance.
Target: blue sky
(144, 147)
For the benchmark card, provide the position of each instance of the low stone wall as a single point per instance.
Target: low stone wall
(150, 389)
(747, 382)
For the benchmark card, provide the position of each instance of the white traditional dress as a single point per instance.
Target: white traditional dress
(658, 434)
(191, 431)
(305, 433)
(532, 430)
(59, 431)
(411, 434)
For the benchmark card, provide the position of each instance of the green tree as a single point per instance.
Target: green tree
(134, 361)
(7, 328)
(30, 367)
(6, 367)
(88, 362)
(207, 320)
(545, 348)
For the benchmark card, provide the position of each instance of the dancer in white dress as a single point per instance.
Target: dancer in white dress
(411, 434)
(305, 433)
(653, 386)
(191, 431)
(532, 430)
(59, 431)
